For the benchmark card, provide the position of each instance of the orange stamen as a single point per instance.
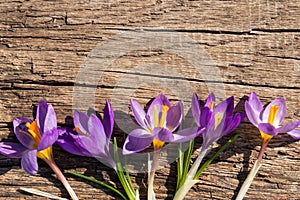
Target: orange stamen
(211, 105)
(273, 112)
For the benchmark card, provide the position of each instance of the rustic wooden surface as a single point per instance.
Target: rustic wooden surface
(254, 44)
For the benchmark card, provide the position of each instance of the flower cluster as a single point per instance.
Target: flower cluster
(161, 123)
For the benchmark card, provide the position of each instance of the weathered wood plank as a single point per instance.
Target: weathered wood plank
(254, 44)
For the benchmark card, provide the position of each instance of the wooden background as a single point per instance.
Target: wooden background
(254, 44)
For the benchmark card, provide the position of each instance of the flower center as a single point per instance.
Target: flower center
(272, 115)
(160, 122)
(218, 119)
(34, 133)
(273, 112)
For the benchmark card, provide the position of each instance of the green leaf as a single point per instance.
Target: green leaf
(97, 182)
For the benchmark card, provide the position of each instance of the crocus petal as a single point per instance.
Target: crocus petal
(21, 131)
(158, 102)
(108, 119)
(137, 141)
(48, 138)
(225, 107)
(163, 134)
(196, 111)
(96, 141)
(70, 142)
(288, 127)
(46, 117)
(252, 113)
(139, 113)
(12, 150)
(107, 159)
(174, 116)
(280, 115)
(206, 115)
(29, 162)
(255, 102)
(211, 98)
(268, 129)
(231, 123)
(294, 133)
(81, 121)
(187, 134)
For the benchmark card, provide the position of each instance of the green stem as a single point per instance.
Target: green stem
(129, 191)
(189, 181)
(179, 166)
(253, 172)
(184, 164)
(97, 182)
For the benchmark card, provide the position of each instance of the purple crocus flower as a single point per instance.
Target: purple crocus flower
(90, 137)
(157, 125)
(268, 120)
(36, 138)
(218, 120)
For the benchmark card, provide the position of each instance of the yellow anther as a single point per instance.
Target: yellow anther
(211, 105)
(34, 133)
(218, 119)
(77, 129)
(273, 112)
(164, 110)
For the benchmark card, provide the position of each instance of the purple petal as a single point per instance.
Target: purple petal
(29, 162)
(252, 114)
(206, 115)
(21, 131)
(139, 113)
(211, 98)
(48, 139)
(225, 107)
(231, 123)
(81, 121)
(280, 102)
(174, 116)
(196, 112)
(70, 142)
(158, 102)
(137, 141)
(108, 119)
(12, 150)
(163, 134)
(294, 133)
(268, 129)
(107, 159)
(288, 127)
(255, 102)
(187, 134)
(96, 142)
(46, 117)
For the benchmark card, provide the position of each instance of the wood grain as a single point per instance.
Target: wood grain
(255, 46)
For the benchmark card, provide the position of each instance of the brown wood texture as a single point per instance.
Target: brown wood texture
(255, 46)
